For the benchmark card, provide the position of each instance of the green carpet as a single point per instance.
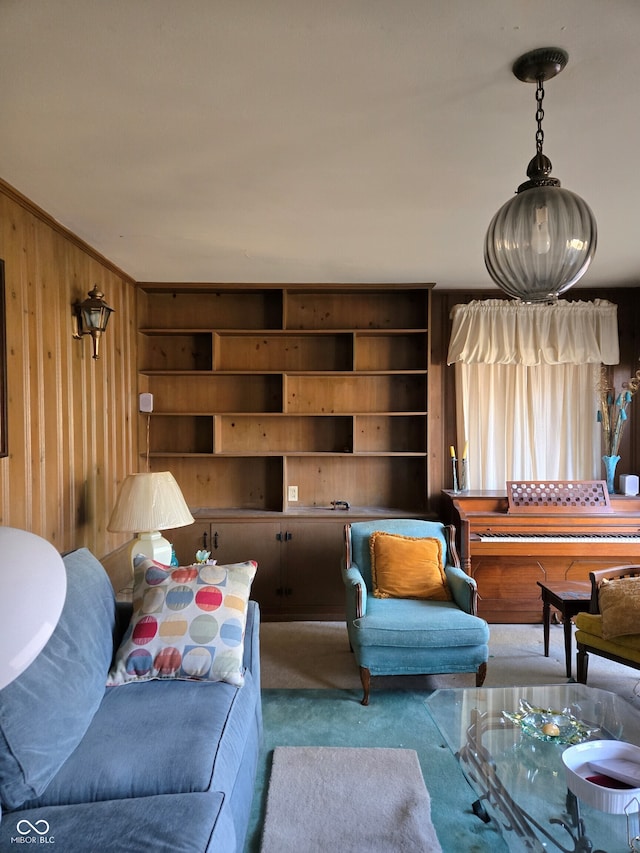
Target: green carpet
(395, 718)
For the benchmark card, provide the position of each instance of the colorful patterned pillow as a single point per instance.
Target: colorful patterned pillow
(188, 623)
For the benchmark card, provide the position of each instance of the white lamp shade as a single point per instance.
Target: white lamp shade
(33, 587)
(148, 502)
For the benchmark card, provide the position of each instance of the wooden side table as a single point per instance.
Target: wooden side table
(569, 598)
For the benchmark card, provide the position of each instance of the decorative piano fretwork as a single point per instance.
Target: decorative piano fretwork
(561, 495)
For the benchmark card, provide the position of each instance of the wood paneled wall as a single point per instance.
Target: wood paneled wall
(71, 419)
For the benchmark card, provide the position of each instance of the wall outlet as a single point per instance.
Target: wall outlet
(293, 493)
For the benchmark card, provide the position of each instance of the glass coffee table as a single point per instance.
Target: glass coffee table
(517, 771)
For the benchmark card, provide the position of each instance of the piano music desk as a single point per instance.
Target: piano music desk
(569, 598)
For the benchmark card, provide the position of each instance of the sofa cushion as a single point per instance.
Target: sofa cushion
(45, 713)
(619, 604)
(589, 633)
(407, 567)
(188, 623)
(159, 737)
(591, 624)
(178, 823)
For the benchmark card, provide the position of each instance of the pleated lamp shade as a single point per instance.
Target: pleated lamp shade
(33, 587)
(148, 503)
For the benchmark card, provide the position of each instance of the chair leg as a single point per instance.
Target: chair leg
(582, 665)
(365, 678)
(481, 674)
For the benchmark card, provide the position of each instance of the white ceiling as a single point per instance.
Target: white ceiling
(315, 140)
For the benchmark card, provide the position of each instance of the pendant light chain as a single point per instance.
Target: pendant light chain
(539, 115)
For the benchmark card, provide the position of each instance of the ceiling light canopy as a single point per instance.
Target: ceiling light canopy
(541, 241)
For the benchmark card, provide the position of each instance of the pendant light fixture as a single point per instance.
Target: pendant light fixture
(541, 241)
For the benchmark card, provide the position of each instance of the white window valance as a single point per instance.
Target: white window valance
(496, 331)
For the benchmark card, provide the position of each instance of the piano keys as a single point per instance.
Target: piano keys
(542, 538)
(508, 552)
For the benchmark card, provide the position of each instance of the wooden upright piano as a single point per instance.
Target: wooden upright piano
(508, 548)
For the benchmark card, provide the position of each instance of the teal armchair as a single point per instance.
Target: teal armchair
(407, 636)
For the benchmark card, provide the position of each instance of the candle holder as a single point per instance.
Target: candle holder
(454, 465)
(464, 476)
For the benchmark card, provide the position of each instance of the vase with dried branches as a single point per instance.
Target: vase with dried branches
(613, 414)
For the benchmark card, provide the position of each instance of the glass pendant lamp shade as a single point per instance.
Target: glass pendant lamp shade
(540, 243)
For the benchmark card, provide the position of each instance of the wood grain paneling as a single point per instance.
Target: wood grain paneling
(71, 429)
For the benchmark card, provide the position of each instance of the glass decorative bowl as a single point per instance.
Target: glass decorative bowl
(551, 726)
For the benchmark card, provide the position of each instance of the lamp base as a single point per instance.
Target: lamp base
(153, 545)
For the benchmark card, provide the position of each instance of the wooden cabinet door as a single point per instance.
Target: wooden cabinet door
(311, 553)
(298, 561)
(235, 542)
(187, 540)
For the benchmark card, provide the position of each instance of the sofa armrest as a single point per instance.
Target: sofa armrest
(251, 659)
(356, 590)
(463, 589)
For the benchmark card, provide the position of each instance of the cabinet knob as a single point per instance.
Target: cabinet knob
(215, 541)
(284, 537)
(204, 540)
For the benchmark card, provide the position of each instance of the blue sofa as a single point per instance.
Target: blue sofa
(160, 765)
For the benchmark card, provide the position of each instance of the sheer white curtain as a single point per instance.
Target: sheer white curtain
(526, 387)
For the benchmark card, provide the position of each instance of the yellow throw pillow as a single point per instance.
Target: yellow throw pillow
(619, 601)
(407, 567)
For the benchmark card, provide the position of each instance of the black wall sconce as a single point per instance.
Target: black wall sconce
(90, 317)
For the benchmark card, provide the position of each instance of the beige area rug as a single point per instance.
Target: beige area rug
(298, 655)
(363, 800)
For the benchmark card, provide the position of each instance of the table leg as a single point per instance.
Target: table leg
(566, 619)
(546, 618)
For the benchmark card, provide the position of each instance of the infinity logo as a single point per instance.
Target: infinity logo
(31, 827)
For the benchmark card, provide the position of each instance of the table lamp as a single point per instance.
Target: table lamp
(147, 504)
(33, 587)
